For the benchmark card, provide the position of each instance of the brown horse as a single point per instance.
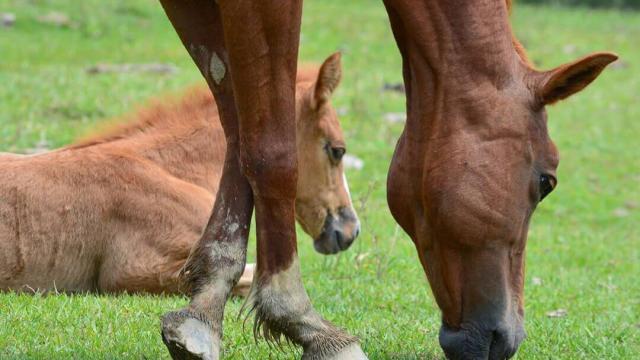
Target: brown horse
(121, 211)
(471, 165)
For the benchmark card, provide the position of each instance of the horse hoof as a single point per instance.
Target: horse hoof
(188, 338)
(351, 352)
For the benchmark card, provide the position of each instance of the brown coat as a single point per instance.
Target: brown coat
(116, 213)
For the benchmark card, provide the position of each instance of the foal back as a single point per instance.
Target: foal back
(112, 213)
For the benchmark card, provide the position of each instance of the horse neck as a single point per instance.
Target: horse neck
(455, 54)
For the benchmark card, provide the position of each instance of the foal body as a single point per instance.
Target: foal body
(121, 211)
(469, 169)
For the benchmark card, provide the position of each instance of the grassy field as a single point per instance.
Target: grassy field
(583, 252)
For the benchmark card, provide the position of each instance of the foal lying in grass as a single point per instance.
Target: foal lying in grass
(122, 210)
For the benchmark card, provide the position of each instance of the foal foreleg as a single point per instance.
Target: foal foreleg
(217, 261)
(262, 41)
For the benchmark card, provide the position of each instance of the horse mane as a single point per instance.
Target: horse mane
(169, 113)
(522, 52)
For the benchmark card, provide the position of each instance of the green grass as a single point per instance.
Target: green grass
(587, 257)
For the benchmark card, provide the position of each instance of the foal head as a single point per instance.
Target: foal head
(323, 203)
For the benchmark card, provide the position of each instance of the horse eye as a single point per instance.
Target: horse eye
(337, 153)
(547, 184)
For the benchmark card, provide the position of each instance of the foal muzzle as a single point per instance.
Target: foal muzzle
(338, 233)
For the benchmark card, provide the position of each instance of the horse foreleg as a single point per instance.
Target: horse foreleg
(217, 260)
(262, 40)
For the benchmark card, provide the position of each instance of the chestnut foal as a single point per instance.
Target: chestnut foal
(471, 165)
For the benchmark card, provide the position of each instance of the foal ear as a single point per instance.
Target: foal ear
(328, 79)
(568, 79)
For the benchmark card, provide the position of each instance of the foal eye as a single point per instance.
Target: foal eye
(335, 153)
(547, 184)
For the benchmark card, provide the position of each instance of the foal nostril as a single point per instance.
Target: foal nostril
(357, 232)
(340, 240)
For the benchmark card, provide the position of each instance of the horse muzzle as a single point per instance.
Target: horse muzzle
(481, 341)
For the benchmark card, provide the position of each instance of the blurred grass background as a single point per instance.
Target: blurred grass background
(583, 252)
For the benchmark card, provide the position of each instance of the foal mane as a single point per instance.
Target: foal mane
(169, 114)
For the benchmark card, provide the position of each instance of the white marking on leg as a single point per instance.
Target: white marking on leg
(284, 295)
(217, 68)
(211, 66)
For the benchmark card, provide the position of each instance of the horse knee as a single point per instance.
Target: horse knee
(272, 172)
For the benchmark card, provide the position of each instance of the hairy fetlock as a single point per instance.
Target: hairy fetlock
(282, 310)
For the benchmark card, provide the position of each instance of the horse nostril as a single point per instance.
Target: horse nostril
(452, 342)
(502, 345)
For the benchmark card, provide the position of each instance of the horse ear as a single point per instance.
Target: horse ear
(328, 78)
(568, 79)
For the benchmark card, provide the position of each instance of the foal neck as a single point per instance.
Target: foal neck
(181, 135)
